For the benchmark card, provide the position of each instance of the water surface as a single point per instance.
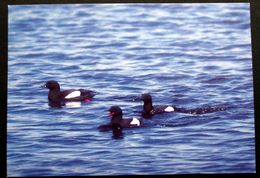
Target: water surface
(187, 55)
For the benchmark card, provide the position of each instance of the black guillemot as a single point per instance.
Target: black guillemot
(55, 95)
(117, 121)
(149, 109)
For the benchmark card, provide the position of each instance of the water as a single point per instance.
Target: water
(187, 55)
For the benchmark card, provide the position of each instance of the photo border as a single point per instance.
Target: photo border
(255, 43)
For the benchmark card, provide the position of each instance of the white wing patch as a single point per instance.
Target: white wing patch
(73, 94)
(135, 122)
(169, 109)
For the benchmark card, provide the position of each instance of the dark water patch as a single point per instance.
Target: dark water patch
(32, 56)
(244, 26)
(56, 57)
(82, 13)
(235, 46)
(60, 139)
(218, 79)
(72, 67)
(35, 172)
(209, 68)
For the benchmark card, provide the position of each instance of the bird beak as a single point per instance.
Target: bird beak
(110, 114)
(43, 86)
(137, 99)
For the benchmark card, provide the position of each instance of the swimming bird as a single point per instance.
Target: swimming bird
(149, 109)
(55, 95)
(118, 122)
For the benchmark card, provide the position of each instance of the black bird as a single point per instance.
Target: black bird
(117, 121)
(149, 110)
(57, 96)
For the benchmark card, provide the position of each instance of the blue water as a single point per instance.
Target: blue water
(187, 55)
